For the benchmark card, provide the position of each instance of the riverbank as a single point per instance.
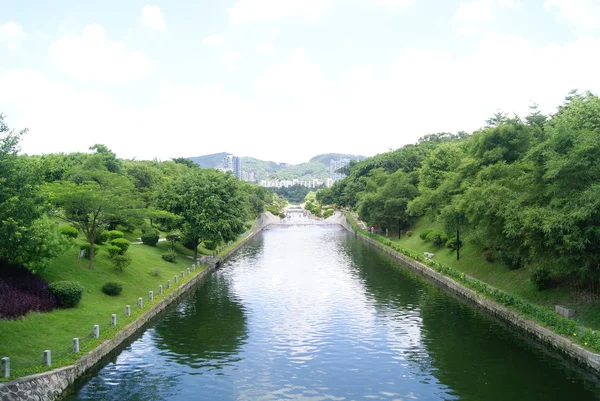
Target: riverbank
(564, 334)
(48, 385)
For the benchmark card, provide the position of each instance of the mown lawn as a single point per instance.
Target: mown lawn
(498, 275)
(24, 340)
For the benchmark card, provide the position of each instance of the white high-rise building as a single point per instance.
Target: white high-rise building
(335, 165)
(234, 164)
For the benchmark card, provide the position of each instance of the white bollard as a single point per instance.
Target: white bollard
(175, 280)
(113, 319)
(193, 267)
(47, 358)
(168, 283)
(182, 274)
(96, 331)
(188, 271)
(128, 310)
(150, 295)
(140, 302)
(5, 367)
(160, 290)
(76, 345)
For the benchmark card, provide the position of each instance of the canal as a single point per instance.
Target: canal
(312, 313)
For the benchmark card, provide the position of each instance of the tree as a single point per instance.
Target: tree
(212, 205)
(91, 204)
(27, 237)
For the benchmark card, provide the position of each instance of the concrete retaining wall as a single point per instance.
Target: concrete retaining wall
(48, 386)
(562, 344)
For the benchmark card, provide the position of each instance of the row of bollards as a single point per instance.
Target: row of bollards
(5, 362)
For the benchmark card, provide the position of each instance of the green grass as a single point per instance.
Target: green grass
(24, 340)
(515, 282)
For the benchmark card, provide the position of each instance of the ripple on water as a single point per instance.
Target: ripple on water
(312, 314)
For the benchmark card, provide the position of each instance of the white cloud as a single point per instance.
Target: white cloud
(509, 3)
(395, 3)
(230, 58)
(268, 49)
(471, 15)
(153, 18)
(584, 15)
(92, 57)
(11, 35)
(213, 40)
(366, 109)
(268, 10)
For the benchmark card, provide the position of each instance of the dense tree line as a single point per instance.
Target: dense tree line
(525, 190)
(97, 192)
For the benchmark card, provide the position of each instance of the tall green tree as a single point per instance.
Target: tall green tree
(212, 206)
(27, 237)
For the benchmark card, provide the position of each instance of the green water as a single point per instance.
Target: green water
(311, 313)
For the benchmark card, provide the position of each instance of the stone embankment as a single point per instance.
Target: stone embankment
(49, 386)
(544, 335)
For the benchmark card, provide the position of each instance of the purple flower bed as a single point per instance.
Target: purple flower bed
(21, 292)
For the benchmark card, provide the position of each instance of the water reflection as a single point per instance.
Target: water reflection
(314, 314)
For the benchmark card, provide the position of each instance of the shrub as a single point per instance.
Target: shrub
(112, 288)
(173, 237)
(210, 245)
(120, 262)
(512, 260)
(409, 233)
(490, 256)
(437, 238)
(67, 293)
(113, 251)
(69, 231)
(114, 234)
(423, 234)
(86, 247)
(101, 238)
(170, 257)
(21, 292)
(454, 244)
(121, 243)
(150, 239)
(541, 279)
(155, 272)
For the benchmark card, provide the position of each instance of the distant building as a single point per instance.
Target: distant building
(284, 164)
(233, 164)
(335, 165)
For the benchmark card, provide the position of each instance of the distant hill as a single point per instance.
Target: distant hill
(317, 167)
(209, 161)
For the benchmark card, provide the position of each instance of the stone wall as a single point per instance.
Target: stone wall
(49, 386)
(562, 344)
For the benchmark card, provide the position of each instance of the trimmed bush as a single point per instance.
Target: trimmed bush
(86, 247)
(69, 231)
(112, 289)
(409, 233)
(490, 256)
(120, 262)
(150, 239)
(101, 238)
(170, 257)
(423, 234)
(437, 238)
(541, 279)
(210, 245)
(121, 243)
(454, 244)
(512, 260)
(113, 251)
(67, 293)
(155, 272)
(114, 234)
(21, 292)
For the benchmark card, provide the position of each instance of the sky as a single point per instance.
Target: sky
(283, 80)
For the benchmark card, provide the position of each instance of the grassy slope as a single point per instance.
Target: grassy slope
(26, 339)
(496, 274)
